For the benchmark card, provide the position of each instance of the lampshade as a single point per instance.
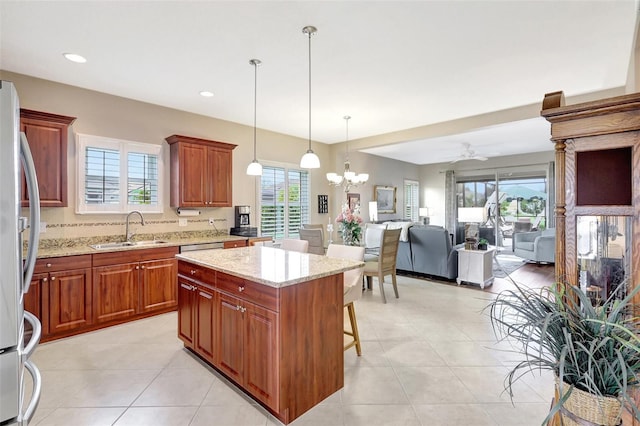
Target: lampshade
(309, 160)
(254, 168)
(472, 214)
(423, 212)
(373, 211)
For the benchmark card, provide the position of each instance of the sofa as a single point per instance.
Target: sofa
(428, 250)
(536, 246)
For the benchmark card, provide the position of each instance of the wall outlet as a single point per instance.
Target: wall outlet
(43, 227)
(182, 222)
(211, 221)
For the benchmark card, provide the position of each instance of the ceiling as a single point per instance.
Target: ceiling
(391, 65)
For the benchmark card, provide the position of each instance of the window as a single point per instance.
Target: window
(116, 176)
(284, 201)
(411, 202)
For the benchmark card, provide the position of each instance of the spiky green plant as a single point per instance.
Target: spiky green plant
(592, 348)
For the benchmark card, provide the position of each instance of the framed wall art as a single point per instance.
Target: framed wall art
(354, 201)
(385, 197)
(323, 204)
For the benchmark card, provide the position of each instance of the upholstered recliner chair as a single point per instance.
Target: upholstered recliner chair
(537, 246)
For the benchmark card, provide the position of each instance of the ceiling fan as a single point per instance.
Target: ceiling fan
(469, 154)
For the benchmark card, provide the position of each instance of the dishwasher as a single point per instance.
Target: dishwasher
(203, 246)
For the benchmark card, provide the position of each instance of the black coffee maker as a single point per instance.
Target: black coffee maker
(243, 224)
(242, 216)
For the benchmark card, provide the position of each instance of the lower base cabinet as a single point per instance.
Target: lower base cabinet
(283, 346)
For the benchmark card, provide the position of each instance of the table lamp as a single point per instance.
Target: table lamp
(472, 217)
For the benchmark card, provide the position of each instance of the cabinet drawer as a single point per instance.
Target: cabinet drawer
(259, 294)
(134, 255)
(51, 264)
(234, 244)
(196, 272)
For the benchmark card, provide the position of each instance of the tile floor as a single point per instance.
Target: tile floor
(428, 359)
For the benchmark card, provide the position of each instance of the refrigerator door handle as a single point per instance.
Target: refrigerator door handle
(35, 337)
(34, 211)
(25, 417)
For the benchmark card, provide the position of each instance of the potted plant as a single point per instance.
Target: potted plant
(594, 351)
(483, 244)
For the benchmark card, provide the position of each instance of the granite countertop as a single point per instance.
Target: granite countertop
(78, 246)
(270, 266)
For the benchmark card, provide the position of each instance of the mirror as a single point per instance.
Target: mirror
(603, 247)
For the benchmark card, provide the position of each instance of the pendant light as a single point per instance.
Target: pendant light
(310, 160)
(254, 168)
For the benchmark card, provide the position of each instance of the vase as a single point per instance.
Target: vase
(585, 408)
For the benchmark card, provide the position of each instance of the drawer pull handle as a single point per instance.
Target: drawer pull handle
(241, 289)
(48, 265)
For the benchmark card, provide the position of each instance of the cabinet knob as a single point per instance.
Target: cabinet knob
(44, 280)
(193, 272)
(241, 289)
(142, 267)
(53, 278)
(243, 310)
(137, 267)
(48, 265)
(238, 307)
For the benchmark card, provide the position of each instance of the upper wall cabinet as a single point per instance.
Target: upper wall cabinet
(47, 136)
(201, 172)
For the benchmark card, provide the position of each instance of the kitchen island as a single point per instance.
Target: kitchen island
(270, 320)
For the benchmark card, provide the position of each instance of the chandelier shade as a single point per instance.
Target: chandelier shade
(255, 168)
(310, 160)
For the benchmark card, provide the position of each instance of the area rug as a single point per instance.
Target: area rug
(505, 264)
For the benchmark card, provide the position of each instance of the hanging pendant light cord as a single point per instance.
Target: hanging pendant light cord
(310, 33)
(255, 106)
(347, 118)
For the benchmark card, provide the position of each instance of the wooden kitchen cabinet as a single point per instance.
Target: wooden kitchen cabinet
(65, 290)
(133, 283)
(201, 172)
(33, 298)
(269, 340)
(197, 310)
(48, 139)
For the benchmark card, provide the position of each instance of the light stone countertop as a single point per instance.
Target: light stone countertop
(79, 246)
(270, 266)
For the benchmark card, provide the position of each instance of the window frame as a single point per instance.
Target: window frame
(411, 212)
(286, 168)
(123, 147)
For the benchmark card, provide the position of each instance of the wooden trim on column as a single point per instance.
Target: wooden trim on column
(560, 211)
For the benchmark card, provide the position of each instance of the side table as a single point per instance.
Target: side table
(475, 266)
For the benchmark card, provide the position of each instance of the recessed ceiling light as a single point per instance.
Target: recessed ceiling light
(206, 94)
(73, 57)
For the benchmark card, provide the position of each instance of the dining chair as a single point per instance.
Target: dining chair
(386, 262)
(314, 226)
(352, 289)
(372, 240)
(295, 245)
(314, 237)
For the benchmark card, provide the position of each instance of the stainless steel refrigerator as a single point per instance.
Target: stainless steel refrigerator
(15, 272)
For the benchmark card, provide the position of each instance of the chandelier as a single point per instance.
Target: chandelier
(348, 179)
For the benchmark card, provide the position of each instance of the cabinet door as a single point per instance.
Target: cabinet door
(220, 177)
(69, 300)
(48, 144)
(115, 291)
(158, 289)
(205, 322)
(193, 175)
(230, 333)
(186, 311)
(33, 299)
(261, 350)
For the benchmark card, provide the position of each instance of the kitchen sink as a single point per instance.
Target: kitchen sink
(123, 244)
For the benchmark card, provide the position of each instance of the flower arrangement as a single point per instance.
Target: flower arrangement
(351, 229)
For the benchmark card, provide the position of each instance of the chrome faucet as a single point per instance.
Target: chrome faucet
(131, 234)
